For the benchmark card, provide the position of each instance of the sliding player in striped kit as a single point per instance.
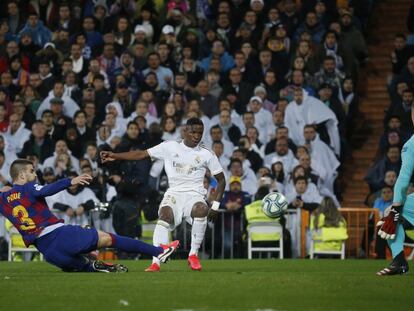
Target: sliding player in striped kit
(63, 245)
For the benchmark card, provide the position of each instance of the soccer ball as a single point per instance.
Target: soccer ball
(274, 205)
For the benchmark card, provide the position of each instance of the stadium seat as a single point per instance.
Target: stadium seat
(261, 228)
(327, 240)
(16, 244)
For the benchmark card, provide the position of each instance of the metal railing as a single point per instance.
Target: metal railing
(221, 237)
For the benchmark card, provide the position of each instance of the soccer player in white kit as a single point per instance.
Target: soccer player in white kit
(185, 164)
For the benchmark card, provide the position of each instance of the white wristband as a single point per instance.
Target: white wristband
(215, 205)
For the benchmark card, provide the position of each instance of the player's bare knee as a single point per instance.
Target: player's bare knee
(105, 239)
(199, 210)
(166, 215)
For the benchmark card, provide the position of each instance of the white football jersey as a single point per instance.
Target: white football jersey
(185, 166)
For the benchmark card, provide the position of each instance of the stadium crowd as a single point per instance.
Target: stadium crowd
(273, 82)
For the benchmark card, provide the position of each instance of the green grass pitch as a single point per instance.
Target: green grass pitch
(222, 285)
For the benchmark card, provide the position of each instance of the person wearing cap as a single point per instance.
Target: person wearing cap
(69, 105)
(234, 200)
(262, 117)
(257, 6)
(100, 12)
(352, 38)
(51, 54)
(39, 32)
(140, 37)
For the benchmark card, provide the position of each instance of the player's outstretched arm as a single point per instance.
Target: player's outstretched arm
(107, 156)
(83, 179)
(221, 185)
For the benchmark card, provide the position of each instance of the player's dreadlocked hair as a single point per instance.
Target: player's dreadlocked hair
(17, 166)
(194, 121)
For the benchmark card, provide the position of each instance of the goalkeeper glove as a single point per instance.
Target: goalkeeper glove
(388, 224)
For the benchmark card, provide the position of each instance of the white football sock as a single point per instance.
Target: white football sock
(161, 236)
(198, 231)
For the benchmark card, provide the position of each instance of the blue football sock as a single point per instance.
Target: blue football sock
(134, 246)
(397, 245)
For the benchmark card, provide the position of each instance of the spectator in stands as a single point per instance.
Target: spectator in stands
(327, 96)
(39, 143)
(385, 200)
(230, 131)
(61, 148)
(216, 134)
(329, 74)
(208, 103)
(75, 202)
(393, 124)
(5, 178)
(303, 197)
(58, 96)
(309, 110)
(248, 178)
(218, 149)
(321, 153)
(16, 134)
(283, 154)
(262, 116)
(402, 110)
(4, 123)
(233, 202)
(313, 26)
(250, 157)
(352, 39)
(164, 75)
(39, 32)
(401, 53)
(390, 161)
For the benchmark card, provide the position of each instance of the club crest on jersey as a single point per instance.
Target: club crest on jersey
(197, 159)
(38, 187)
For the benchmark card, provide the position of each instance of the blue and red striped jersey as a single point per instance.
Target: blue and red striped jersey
(26, 208)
